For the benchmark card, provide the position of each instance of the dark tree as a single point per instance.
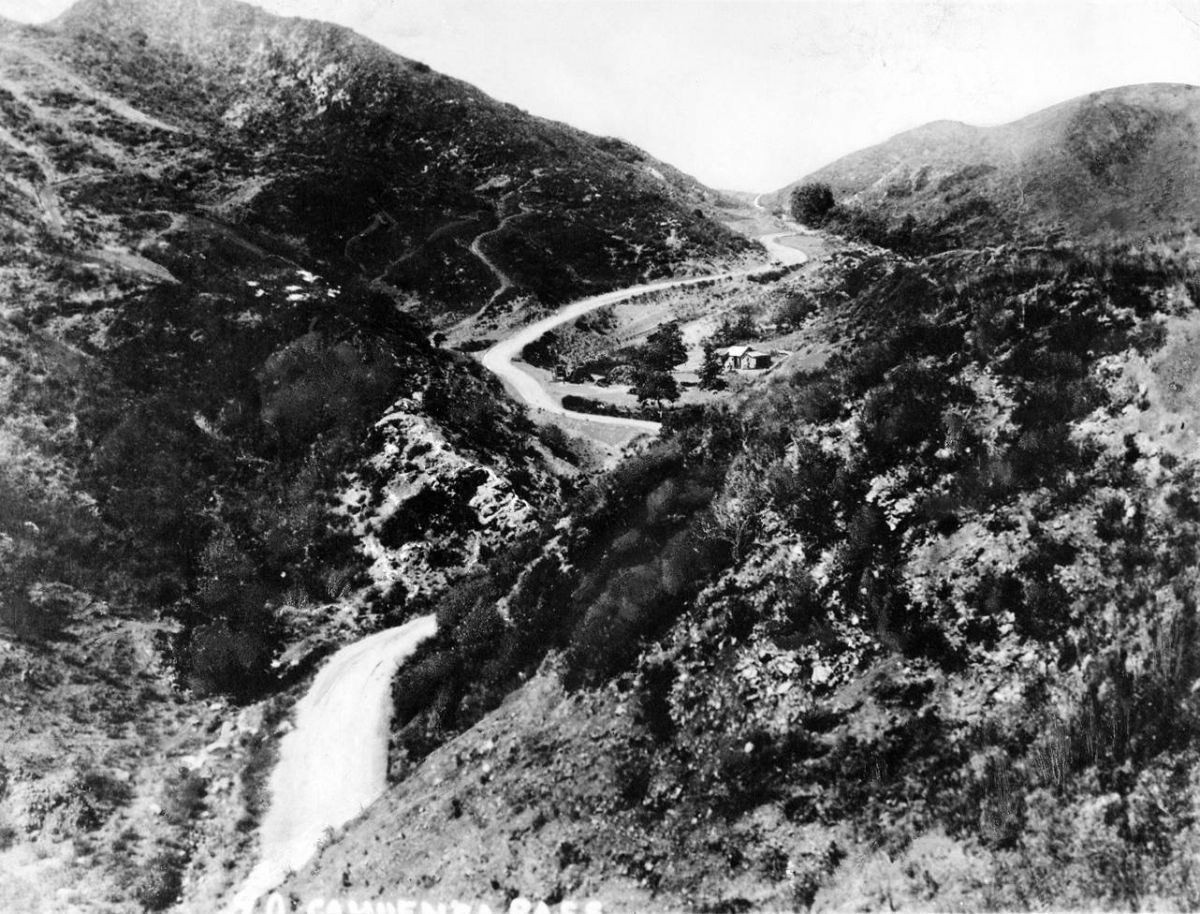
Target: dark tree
(711, 369)
(652, 385)
(664, 348)
(811, 202)
(734, 331)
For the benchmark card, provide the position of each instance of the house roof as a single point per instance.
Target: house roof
(737, 352)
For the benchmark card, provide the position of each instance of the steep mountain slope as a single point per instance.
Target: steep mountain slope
(914, 630)
(1122, 162)
(379, 164)
(224, 448)
(911, 626)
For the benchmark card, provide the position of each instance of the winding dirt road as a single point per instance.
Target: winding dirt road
(500, 358)
(333, 764)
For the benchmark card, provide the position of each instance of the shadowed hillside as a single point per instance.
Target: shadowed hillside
(378, 163)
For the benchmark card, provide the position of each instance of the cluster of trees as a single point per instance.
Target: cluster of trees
(810, 203)
(650, 368)
(734, 328)
(813, 204)
(664, 350)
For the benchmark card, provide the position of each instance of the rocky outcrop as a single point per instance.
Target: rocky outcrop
(422, 512)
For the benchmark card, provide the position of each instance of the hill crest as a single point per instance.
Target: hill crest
(1116, 162)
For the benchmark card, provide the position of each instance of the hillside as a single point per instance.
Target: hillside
(1113, 164)
(914, 629)
(907, 621)
(227, 444)
(414, 180)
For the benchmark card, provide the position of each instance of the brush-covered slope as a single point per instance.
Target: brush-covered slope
(222, 450)
(213, 380)
(381, 164)
(1115, 163)
(914, 630)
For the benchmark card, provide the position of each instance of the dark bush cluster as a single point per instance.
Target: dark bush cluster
(212, 448)
(637, 552)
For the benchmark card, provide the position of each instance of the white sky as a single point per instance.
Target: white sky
(751, 94)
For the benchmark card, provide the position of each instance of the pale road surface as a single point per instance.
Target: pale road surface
(333, 764)
(499, 359)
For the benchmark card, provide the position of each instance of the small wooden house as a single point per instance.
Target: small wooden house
(744, 358)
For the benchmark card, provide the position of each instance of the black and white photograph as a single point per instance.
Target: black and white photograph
(599, 456)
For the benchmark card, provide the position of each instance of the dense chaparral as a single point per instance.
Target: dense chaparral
(905, 616)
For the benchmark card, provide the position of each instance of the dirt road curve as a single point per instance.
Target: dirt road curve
(333, 764)
(525, 387)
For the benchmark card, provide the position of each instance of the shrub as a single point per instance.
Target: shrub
(223, 658)
(183, 797)
(799, 610)
(799, 491)
(795, 309)
(103, 791)
(811, 202)
(420, 682)
(313, 384)
(161, 881)
(558, 441)
(32, 621)
(904, 415)
(603, 408)
(474, 590)
(653, 698)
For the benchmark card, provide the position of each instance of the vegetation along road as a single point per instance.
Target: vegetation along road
(333, 764)
(500, 358)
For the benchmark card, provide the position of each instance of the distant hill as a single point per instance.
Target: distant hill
(364, 159)
(1114, 163)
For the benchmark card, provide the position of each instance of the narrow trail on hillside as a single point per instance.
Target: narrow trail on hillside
(501, 358)
(505, 281)
(506, 284)
(333, 764)
(16, 56)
